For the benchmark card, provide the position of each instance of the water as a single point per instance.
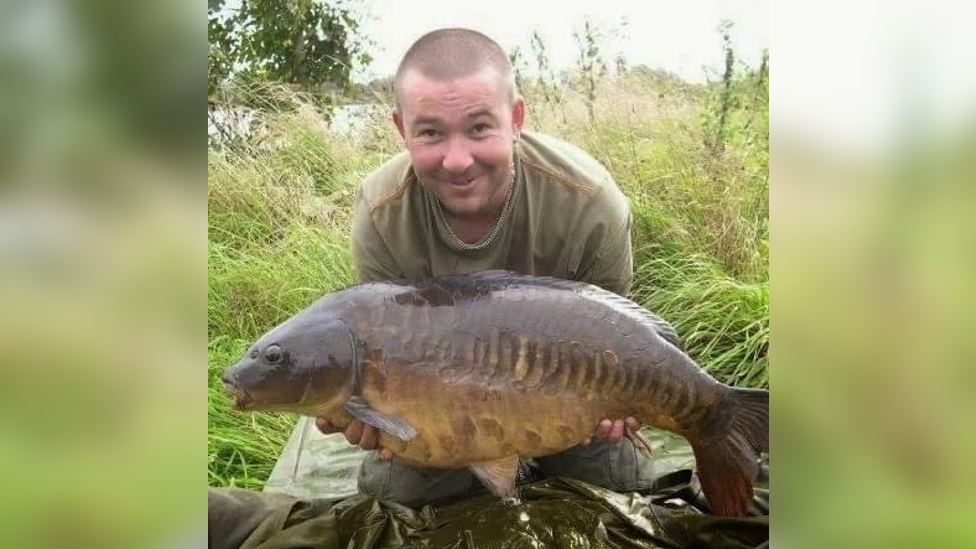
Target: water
(355, 118)
(224, 124)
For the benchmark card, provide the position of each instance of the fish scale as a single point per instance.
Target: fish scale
(481, 370)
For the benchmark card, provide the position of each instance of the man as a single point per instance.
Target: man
(474, 192)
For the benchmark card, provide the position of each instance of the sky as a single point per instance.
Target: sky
(864, 75)
(679, 36)
(851, 74)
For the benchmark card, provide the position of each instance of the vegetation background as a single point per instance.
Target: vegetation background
(692, 158)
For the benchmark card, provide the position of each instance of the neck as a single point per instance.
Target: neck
(471, 230)
(474, 228)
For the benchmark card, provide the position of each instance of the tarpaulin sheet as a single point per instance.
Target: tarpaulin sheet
(559, 513)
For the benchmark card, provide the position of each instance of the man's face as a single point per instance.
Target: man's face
(460, 137)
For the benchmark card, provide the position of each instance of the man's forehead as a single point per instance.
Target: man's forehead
(485, 85)
(486, 73)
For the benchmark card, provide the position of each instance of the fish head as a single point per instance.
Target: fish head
(304, 365)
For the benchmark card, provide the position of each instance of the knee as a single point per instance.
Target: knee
(629, 470)
(615, 466)
(374, 477)
(399, 482)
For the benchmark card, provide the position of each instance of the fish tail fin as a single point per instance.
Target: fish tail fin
(728, 461)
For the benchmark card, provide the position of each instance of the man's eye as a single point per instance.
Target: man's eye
(428, 133)
(479, 128)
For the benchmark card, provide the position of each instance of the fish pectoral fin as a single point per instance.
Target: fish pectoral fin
(498, 475)
(359, 409)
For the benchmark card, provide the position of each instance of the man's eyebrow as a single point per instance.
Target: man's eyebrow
(481, 112)
(428, 119)
(424, 119)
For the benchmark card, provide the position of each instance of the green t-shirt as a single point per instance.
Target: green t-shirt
(568, 219)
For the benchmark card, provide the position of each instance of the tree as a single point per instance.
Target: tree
(303, 42)
(221, 46)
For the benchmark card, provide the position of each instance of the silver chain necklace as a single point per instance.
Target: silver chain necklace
(485, 242)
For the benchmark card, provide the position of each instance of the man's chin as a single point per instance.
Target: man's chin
(459, 203)
(460, 210)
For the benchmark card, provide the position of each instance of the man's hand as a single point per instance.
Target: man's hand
(613, 430)
(365, 436)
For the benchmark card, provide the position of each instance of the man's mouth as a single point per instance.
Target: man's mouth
(462, 183)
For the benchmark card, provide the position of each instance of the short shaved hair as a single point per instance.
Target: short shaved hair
(450, 54)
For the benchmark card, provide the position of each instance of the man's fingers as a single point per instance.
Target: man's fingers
(369, 438)
(354, 432)
(371, 441)
(614, 430)
(617, 433)
(325, 425)
(366, 437)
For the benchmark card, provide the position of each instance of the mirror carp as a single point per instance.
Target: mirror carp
(480, 370)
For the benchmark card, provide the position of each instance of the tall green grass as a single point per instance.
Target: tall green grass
(280, 205)
(242, 448)
(278, 217)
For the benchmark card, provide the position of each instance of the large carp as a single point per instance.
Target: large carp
(479, 370)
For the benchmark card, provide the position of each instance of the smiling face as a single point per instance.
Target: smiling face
(460, 135)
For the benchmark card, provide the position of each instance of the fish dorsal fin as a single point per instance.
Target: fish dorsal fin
(498, 475)
(359, 409)
(661, 326)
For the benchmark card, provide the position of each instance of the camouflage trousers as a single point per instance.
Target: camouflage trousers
(616, 466)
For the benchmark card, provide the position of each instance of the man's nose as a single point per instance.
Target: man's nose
(457, 158)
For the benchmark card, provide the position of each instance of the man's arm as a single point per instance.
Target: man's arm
(611, 262)
(370, 255)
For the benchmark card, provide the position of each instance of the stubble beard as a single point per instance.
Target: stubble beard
(491, 205)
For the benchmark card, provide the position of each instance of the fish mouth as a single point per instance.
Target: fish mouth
(242, 400)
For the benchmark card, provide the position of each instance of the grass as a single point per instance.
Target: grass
(280, 205)
(723, 322)
(242, 448)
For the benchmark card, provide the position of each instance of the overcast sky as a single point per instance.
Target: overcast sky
(680, 36)
(848, 70)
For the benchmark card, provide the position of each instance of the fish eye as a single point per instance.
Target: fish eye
(272, 354)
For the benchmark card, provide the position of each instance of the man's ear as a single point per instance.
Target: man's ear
(518, 114)
(398, 122)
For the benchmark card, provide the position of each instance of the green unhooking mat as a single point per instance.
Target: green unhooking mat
(557, 513)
